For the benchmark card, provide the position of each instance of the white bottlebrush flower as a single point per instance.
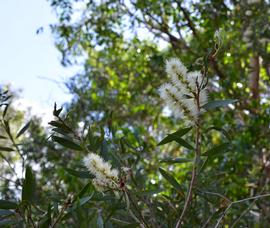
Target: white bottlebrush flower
(191, 104)
(203, 97)
(180, 84)
(105, 176)
(169, 100)
(175, 66)
(194, 79)
(99, 184)
(181, 94)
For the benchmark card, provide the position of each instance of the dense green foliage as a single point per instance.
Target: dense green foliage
(116, 112)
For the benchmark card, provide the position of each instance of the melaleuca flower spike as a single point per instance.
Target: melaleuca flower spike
(175, 66)
(105, 176)
(186, 92)
(177, 72)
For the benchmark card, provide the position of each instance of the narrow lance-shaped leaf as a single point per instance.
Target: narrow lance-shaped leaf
(219, 103)
(80, 174)
(6, 204)
(217, 150)
(83, 191)
(29, 185)
(171, 180)
(8, 149)
(5, 110)
(175, 160)
(8, 222)
(60, 126)
(24, 128)
(56, 111)
(67, 143)
(172, 137)
(183, 143)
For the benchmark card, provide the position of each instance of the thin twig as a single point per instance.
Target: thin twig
(243, 213)
(216, 194)
(248, 208)
(60, 215)
(238, 201)
(196, 160)
(143, 222)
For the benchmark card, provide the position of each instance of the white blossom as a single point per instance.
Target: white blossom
(185, 93)
(174, 66)
(194, 79)
(105, 175)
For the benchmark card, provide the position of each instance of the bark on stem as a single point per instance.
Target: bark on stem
(194, 169)
(254, 76)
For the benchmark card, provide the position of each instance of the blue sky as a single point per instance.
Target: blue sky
(25, 57)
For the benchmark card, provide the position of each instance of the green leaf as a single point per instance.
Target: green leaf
(60, 125)
(148, 192)
(60, 131)
(84, 190)
(24, 128)
(6, 213)
(175, 160)
(67, 143)
(29, 185)
(6, 204)
(2, 137)
(79, 203)
(46, 221)
(171, 180)
(81, 174)
(8, 222)
(217, 150)
(219, 103)
(172, 137)
(56, 111)
(183, 143)
(5, 111)
(3, 148)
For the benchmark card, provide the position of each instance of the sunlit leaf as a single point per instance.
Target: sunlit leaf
(176, 135)
(3, 148)
(218, 103)
(171, 180)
